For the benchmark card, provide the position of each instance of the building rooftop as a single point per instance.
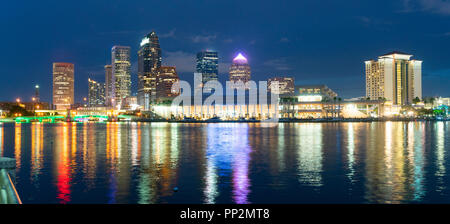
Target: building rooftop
(240, 59)
(395, 52)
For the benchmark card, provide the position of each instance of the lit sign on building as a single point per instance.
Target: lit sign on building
(311, 98)
(144, 41)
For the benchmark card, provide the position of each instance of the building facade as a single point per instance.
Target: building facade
(208, 65)
(63, 85)
(167, 76)
(96, 94)
(394, 77)
(149, 61)
(285, 85)
(109, 85)
(240, 71)
(121, 66)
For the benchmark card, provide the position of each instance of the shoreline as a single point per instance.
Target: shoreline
(259, 121)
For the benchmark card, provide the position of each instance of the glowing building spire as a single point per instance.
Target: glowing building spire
(240, 59)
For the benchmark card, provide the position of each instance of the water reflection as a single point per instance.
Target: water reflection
(440, 156)
(18, 145)
(227, 148)
(241, 158)
(351, 151)
(212, 158)
(159, 161)
(309, 152)
(418, 141)
(146, 183)
(63, 173)
(37, 147)
(1, 139)
(378, 162)
(400, 177)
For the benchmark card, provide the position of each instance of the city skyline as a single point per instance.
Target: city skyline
(204, 103)
(291, 48)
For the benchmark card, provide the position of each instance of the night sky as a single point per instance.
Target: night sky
(316, 41)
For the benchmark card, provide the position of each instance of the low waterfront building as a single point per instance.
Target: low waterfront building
(309, 102)
(30, 106)
(442, 101)
(238, 109)
(319, 101)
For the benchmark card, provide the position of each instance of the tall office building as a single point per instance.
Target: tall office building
(109, 85)
(120, 63)
(394, 77)
(63, 85)
(240, 70)
(96, 94)
(149, 61)
(167, 76)
(285, 85)
(208, 65)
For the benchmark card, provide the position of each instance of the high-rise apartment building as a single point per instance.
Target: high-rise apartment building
(285, 85)
(208, 65)
(120, 63)
(63, 85)
(149, 61)
(394, 77)
(240, 70)
(96, 94)
(167, 76)
(109, 85)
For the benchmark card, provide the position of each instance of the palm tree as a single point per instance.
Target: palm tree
(339, 106)
(334, 106)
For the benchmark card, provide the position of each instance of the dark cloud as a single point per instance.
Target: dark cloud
(434, 6)
(203, 38)
(279, 64)
(184, 61)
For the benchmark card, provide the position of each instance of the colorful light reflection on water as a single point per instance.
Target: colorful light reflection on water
(392, 162)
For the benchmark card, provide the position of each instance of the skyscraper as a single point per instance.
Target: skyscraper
(149, 61)
(240, 70)
(96, 94)
(63, 85)
(109, 86)
(208, 65)
(167, 76)
(394, 77)
(121, 73)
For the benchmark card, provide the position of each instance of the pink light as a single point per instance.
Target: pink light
(240, 59)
